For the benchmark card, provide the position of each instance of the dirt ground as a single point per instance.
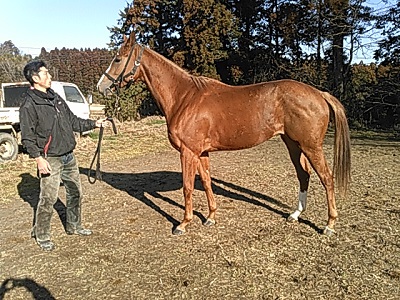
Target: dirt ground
(251, 253)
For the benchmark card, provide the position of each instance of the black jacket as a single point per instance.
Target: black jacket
(46, 114)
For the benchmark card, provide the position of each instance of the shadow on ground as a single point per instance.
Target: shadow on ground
(153, 183)
(28, 189)
(38, 292)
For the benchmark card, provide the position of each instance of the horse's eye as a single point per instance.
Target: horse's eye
(117, 59)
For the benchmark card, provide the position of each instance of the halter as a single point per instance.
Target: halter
(116, 82)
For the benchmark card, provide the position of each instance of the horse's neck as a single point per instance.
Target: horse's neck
(163, 79)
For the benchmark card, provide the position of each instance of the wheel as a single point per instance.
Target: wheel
(8, 147)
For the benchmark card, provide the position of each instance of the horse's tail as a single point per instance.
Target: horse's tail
(342, 155)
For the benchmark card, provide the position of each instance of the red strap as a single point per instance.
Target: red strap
(46, 147)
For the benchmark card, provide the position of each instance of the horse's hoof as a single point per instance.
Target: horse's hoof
(178, 231)
(291, 219)
(209, 222)
(329, 231)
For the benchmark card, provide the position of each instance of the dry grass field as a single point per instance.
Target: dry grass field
(251, 253)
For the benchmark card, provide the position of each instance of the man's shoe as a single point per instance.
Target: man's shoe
(80, 231)
(46, 245)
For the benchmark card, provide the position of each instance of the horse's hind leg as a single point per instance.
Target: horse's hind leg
(204, 171)
(303, 171)
(321, 167)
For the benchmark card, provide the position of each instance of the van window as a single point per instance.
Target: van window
(72, 94)
(13, 95)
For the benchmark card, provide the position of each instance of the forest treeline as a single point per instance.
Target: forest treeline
(249, 41)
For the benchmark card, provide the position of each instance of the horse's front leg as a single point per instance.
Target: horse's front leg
(204, 171)
(189, 163)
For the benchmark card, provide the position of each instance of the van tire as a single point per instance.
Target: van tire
(8, 147)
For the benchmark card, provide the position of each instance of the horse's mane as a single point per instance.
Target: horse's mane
(200, 82)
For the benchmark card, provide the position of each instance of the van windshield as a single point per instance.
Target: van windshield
(72, 94)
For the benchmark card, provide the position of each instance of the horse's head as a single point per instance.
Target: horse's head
(123, 68)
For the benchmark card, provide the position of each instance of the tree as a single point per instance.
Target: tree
(389, 47)
(8, 48)
(82, 67)
(11, 62)
(361, 87)
(206, 24)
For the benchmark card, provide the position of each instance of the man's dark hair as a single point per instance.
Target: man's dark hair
(32, 68)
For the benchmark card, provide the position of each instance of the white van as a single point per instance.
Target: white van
(74, 98)
(10, 98)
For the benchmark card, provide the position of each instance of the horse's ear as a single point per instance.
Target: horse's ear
(125, 38)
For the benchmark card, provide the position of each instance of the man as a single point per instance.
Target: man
(47, 128)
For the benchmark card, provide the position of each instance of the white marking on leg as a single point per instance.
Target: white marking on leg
(302, 201)
(301, 205)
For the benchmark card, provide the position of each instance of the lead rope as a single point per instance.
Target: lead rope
(116, 106)
(98, 175)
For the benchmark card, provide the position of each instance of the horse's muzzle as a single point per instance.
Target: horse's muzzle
(105, 89)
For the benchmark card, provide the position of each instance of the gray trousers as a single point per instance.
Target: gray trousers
(63, 168)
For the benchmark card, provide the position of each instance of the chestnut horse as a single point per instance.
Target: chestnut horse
(205, 115)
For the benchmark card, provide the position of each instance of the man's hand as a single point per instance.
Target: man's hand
(43, 165)
(102, 122)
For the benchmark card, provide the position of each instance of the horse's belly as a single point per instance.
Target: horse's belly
(241, 138)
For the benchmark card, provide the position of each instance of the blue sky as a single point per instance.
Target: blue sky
(33, 24)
